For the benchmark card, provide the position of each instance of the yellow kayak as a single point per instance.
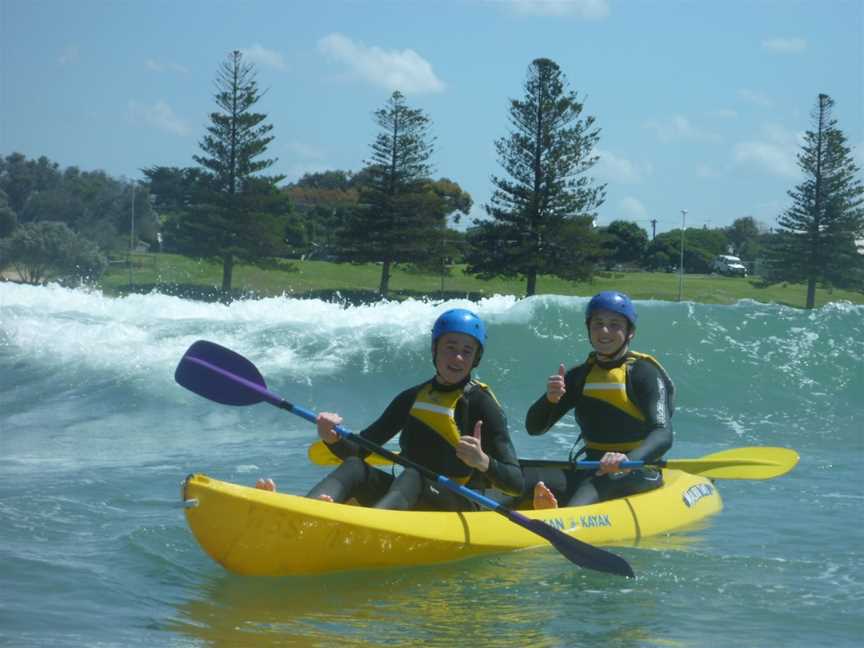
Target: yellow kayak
(259, 533)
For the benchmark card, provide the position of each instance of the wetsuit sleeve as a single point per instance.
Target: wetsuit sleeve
(388, 425)
(649, 391)
(504, 471)
(542, 415)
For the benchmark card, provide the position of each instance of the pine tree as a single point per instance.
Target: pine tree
(545, 157)
(816, 242)
(398, 212)
(237, 214)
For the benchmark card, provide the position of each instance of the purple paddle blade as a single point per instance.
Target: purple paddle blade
(199, 372)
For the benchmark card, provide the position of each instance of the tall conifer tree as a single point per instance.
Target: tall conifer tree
(818, 235)
(236, 214)
(398, 212)
(545, 203)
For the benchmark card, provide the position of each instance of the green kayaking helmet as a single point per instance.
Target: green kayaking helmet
(612, 300)
(460, 320)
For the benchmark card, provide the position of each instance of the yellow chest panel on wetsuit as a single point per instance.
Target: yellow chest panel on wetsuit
(610, 386)
(437, 410)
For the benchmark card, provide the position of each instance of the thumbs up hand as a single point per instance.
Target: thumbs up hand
(555, 386)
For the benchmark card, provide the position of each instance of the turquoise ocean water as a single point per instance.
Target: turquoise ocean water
(95, 438)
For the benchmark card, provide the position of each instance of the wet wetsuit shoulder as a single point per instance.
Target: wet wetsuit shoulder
(650, 392)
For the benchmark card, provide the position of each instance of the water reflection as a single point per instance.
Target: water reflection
(526, 598)
(445, 605)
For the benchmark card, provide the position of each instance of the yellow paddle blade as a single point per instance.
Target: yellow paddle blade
(740, 463)
(320, 455)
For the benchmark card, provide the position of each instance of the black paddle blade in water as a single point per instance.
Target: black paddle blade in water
(199, 372)
(578, 552)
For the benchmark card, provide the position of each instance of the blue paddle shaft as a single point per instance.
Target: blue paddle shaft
(441, 479)
(596, 464)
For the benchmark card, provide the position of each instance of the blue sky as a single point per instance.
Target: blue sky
(701, 104)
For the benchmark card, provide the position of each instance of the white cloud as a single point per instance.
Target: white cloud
(619, 169)
(403, 70)
(754, 97)
(704, 170)
(584, 9)
(260, 55)
(69, 56)
(160, 116)
(633, 208)
(678, 127)
(158, 66)
(724, 113)
(774, 151)
(305, 151)
(785, 45)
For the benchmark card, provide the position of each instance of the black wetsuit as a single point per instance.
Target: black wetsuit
(419, 443)
(607, 428)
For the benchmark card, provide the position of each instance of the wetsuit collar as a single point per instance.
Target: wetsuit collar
(441, 387)
(607, 362)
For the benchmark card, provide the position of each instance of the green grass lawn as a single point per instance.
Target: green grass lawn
(179, 275)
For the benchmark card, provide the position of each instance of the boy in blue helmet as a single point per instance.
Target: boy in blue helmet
(623, 402)
(451, 424)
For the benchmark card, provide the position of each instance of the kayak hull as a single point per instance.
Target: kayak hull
(256, 532)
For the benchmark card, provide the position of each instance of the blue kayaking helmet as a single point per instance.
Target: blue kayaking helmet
(612, 300)
(460, 320)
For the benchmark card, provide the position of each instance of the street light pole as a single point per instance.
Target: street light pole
(681, 262)
(131, 234)
(443, 252)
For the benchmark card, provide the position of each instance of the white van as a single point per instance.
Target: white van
(729, 265)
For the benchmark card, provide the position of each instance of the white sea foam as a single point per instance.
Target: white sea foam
(139, 334)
